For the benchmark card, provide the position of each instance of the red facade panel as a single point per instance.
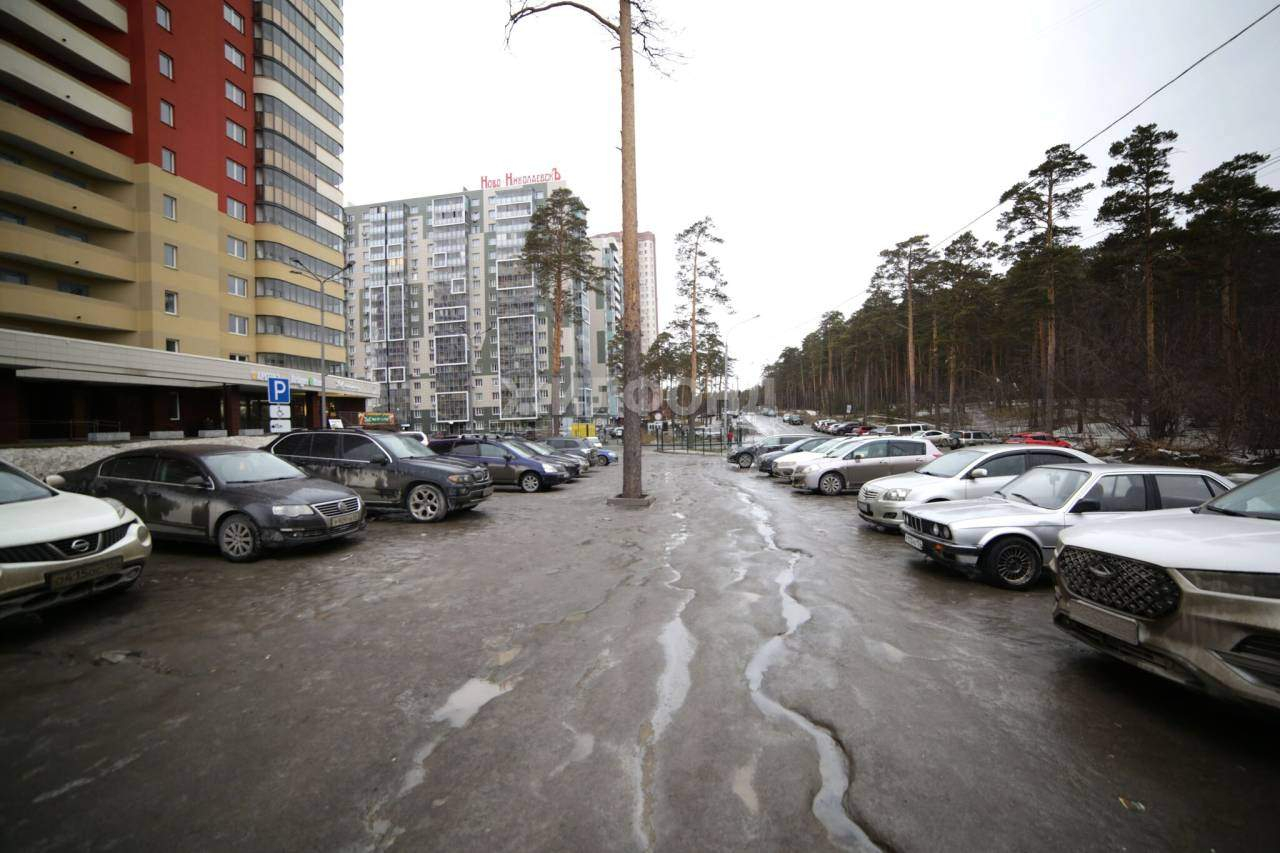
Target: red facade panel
(198, 138)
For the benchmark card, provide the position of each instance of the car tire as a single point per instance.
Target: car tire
(426, 503)
(239, 539)
(125, 587)
(1012, 563)
(831, 483)
(746, 460)
(529, 482)
(604, 461)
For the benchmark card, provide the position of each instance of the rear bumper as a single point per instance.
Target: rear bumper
(30, 587)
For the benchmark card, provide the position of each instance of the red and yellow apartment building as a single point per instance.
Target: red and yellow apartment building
(169, 203)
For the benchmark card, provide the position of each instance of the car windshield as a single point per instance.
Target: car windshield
(404, 446)
(950, 464)
(251, 466)
(514, 447)
(1259, 498)
(1046, 487)
(539, 447)
(16, 486)
(827, 445)
(842, 446)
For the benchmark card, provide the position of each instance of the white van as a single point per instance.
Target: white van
(906, 429)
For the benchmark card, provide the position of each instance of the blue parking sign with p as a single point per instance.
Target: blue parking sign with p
(277, 390)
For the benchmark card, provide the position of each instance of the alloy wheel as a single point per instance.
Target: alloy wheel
(237, 539)
(1016, 565)
(425, 503)
(831, 484)
(530, 482)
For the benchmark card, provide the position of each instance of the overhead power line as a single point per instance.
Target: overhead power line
(1127, 113)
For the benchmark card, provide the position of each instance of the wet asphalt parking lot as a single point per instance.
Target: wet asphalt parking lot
(737, 667)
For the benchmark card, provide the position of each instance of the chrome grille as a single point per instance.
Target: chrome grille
(331, 508)
(913, 522)
(1119, 583)
(61, 549)
(871, 494)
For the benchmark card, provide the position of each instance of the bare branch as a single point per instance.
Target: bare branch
(646, 27)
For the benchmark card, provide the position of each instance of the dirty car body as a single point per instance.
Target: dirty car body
(193, 492)
(56, 547)
(1191, 595)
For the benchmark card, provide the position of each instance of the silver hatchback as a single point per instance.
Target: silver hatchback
(1008, 538)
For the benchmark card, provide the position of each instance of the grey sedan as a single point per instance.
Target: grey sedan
(1008, 538)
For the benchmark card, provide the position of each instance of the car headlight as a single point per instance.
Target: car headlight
(550, 469)
(460, 478)
(896, 495)
(802, 469)
(940, 531)
(1256, 584)
(121, 509)
(291, 510)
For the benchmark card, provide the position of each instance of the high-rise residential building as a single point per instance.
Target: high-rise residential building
(163, 168)
(648, 257)
(445, 319)
(606, 328)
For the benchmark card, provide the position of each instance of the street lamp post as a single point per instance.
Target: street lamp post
(301, 269)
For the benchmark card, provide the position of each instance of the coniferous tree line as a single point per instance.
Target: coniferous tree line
(1170, 323)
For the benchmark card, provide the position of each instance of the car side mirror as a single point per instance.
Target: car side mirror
(977, 473)
(1087, 505)
(56, 480)
(380, 460)
(197, 481)
(858, 457)
(509, 457)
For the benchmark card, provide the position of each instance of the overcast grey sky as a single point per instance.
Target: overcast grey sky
(814, 133)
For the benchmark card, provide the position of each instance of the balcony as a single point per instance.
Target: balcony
(104, 13)
(52, 306)
(55, 143)
(55, 88)
(57, 37)
(42, 249)
(39, 191)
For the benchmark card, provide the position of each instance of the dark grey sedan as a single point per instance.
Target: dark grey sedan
(241, 499)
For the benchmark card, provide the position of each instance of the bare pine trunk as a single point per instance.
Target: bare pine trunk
(911, 349)
(557, 332)
(632, 485)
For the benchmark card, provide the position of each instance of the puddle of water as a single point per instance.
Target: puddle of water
(465, 702)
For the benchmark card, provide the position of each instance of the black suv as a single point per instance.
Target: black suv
(387, 470)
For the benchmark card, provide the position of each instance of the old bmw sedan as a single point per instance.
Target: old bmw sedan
(1008, 537)
(241, 499)
(1191, 595)
(56, 547)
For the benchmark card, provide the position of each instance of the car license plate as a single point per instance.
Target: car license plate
(1111, 624)
(864, 507)
(914, 542)
(344, 519)
(71, 577)
(488, 490)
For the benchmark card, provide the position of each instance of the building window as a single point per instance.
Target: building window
(235, 94)
(175, 408)
(13, 276)
(238, 356)
(237, 209)
(171, 303)
(237, 248)
(236, 171)
(232, 17)
(74, 288)
(236, 132)
(10, 216)
(237, 286)
(166, 65)
(170, 207)
(171, 256)
(168, 161)
(233, 56)
(163, 17)
(166, 113)
(172, 345)
(237, 325)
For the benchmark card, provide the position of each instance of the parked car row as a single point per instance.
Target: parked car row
(89, 530)
(1171, 569)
